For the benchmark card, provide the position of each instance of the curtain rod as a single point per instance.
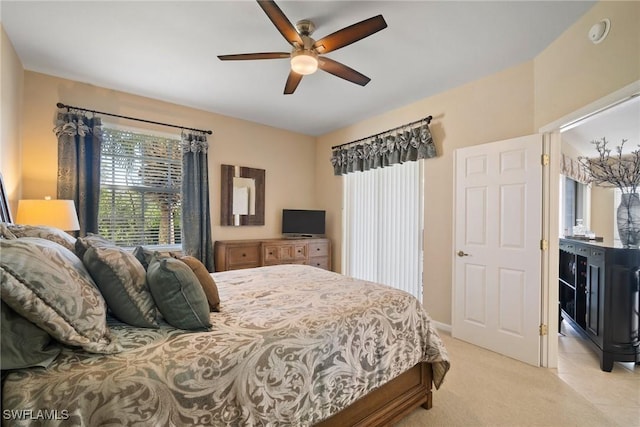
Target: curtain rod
(426, 119)
(61, 105)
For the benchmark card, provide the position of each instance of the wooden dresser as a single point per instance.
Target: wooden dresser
(236, 254)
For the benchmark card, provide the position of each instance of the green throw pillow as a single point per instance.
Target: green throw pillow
(91, 240)
(24, 344)
(122, 281)
(178, 293)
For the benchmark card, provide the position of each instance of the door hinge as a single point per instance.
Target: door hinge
(544, 159)
(544, 330)
(544, 244)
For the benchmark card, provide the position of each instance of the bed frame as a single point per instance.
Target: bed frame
(389, 403)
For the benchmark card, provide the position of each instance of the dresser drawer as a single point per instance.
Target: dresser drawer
(318, 249)
(243, 255)
(275, 254)
(320, 262)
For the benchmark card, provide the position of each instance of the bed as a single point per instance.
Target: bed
(291, 345)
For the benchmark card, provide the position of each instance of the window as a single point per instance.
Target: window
(382, 220)
(140, 188)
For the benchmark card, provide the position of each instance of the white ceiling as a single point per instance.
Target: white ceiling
(167, 50)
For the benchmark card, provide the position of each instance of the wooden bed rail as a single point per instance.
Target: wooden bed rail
(389, 403)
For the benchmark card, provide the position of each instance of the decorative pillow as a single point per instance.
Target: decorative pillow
(23, 343)
(143, 255)
(206, 281)
(50, 233)
(40, 283)
(77, 266)
(178, 294)
(90, 241)
(122, 281)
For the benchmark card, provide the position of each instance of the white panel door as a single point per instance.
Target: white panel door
(498, 227)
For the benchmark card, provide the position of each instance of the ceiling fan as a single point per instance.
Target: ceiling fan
(306, 53)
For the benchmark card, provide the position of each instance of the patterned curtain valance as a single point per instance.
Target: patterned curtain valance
(406, 143)
(573, 169)
(194, 142)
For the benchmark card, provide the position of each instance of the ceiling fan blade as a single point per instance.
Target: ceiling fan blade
(342, 71)
(247, 56)
(292, 82)
(281, 22)
(350, 34)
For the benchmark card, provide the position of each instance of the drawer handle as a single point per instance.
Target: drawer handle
(244, 254)
(317, 249)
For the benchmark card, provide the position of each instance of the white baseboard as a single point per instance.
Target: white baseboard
(442, 326)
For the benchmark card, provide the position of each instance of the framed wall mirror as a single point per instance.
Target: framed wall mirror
(242, 196)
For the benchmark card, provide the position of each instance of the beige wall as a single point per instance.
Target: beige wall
(282, 154)
(11, 76)
(497, 107)
(573, 72)
(569, 74)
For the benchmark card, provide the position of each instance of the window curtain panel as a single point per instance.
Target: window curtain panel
(79, 145)
(573, 169)
(196, 214)
(396, 146)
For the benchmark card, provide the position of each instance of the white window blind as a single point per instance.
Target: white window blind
(140, 188)
(383, 222)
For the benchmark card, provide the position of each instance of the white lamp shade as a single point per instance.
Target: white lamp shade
(304, 62)
(53, 213)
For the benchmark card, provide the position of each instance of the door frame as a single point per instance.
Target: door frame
(551, 207)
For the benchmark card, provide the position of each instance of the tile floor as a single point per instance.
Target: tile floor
(615, 393)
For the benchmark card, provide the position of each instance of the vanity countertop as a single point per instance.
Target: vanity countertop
(604, 243)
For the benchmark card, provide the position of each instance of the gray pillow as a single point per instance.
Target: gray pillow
(122, 281)
(24, 344)
(40, 283)
(178, 294)
(89, 241)
(50, 233)
(143, 255)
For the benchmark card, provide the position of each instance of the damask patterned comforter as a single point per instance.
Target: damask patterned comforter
(292, 345)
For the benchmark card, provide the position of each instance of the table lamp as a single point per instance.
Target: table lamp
(53, 213)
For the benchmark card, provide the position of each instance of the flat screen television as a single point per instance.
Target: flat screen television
(303, 222)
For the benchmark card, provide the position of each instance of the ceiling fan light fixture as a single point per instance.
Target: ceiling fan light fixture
(304, 62)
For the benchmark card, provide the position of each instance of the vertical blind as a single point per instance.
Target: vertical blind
(383, 223)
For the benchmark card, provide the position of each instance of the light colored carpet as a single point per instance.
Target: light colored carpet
(487, 389)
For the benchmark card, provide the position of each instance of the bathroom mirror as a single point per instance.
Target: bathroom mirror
(242, 196)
